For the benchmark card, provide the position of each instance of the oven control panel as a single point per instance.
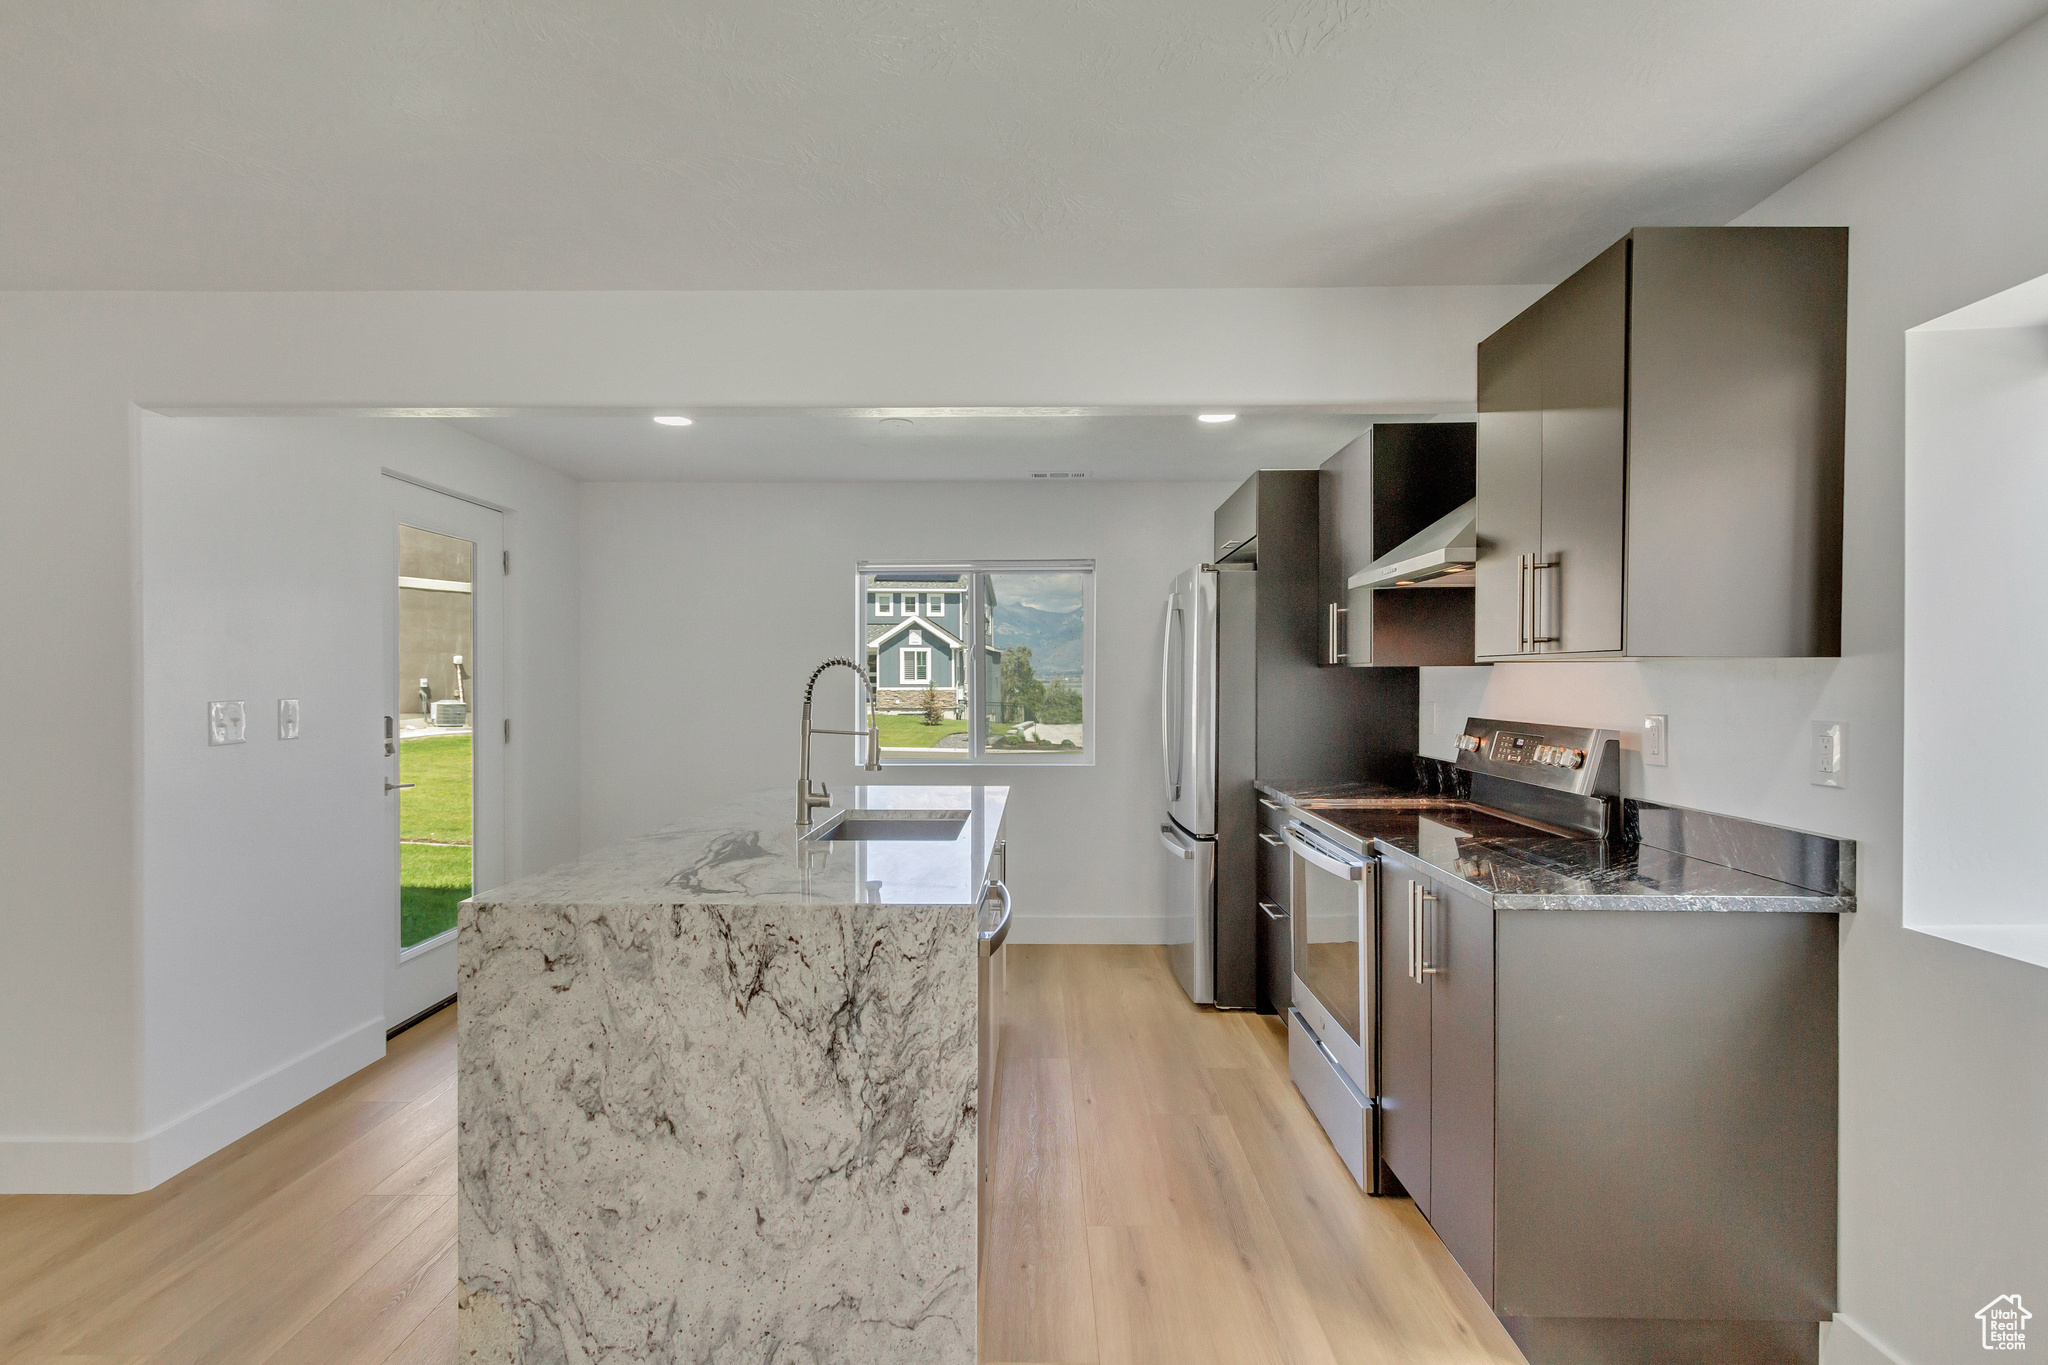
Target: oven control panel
(1558, 756)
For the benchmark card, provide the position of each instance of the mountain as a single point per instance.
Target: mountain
(1054, 637)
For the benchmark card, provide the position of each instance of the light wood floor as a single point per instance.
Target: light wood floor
(1163, 1195)
(326, 1236)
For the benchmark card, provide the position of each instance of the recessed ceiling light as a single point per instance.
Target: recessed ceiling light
(673, 420)
(1217, 417)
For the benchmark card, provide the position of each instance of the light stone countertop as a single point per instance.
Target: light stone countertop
(746, 851)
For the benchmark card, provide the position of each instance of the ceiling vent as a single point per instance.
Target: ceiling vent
(1059, 476)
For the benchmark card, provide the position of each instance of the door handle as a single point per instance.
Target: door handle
(1173, 843)
(390, 787)
(1536, 567)
(1169, 742)
(1335, 654)
(1328, 862)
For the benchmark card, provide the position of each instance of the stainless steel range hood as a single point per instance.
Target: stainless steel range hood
(1448, 545)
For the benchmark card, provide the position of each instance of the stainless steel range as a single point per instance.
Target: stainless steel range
(1526, 781)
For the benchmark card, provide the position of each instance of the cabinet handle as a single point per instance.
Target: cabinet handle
(1522, 607)
(1423, 900)
(1273, 912)
(1412, 974)
(1268, 837)
(1537, 566)
(1335, 655)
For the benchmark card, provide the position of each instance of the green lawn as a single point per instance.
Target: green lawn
(910, 732)
(434, 873)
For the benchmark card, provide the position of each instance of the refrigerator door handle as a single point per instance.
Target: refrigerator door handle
(1175, 845)
(1169, 744)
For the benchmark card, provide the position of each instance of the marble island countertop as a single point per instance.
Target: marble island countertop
(718, 1093)
(1519, 867)
(749, 851)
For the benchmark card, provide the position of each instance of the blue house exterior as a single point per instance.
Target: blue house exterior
(916, 627)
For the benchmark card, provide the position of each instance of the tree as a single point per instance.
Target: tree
(1021, 688)
(1061, 704)
(934, 709)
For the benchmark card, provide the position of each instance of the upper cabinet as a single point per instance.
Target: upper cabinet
(1660, 453)
(1382, 493)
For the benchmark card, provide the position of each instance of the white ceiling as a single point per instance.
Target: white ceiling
(765, 445)
(829, 144)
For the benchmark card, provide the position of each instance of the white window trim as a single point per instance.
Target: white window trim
(974, 627)
(922, 651)
(885, 603)
(934, 604)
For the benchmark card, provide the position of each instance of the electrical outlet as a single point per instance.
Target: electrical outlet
(227, 722)
(1655, 737)
(288, 719)
(1829, 756)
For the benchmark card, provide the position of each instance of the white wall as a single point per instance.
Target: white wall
(74, 367)
(1944, 1099)
(1976, 435)
(680, 581)
(265, 868)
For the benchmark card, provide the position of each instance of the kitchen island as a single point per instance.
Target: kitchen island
(720, 1093)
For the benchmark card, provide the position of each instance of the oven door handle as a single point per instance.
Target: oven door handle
(1329, 860)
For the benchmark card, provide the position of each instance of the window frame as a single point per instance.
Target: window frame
(973, 625)
(924, 654)
(884, 603)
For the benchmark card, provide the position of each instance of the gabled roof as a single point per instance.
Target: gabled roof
(905, 624)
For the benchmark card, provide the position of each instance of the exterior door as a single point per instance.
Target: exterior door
(1459, 945)
(442, 733)
(1510, 486)
(1404, 1038)
(1577, 595)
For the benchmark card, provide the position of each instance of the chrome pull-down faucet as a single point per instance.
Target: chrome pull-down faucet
(808, 800)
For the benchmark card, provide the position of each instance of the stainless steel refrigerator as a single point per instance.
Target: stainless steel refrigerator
(1245, 694)
(1187, 684)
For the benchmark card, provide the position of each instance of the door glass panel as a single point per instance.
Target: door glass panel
(1326, 927)
(1035, 647)
(436, 686)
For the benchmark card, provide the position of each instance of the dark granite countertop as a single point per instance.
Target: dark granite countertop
(1517, 866)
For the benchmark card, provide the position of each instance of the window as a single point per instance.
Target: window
(885, 603)
(1017, 685)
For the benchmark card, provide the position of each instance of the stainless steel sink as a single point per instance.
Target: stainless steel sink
(891, 826)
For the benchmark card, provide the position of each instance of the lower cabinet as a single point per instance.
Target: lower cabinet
(1276, 939)
(1436, 1060)
(1621, 1125)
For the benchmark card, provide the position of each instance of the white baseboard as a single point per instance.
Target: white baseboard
(83, 1165)
(104, 1165)
(1091, 929)
(1844, 1342)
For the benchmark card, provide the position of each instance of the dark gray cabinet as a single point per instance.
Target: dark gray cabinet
(1458, 940)
(1660, 453)
(1436, 1059)
(1404, 1039)
(1621, 1125)
(1276, 940)
(1378, 491)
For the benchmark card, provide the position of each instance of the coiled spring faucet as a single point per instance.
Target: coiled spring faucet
(808, 800)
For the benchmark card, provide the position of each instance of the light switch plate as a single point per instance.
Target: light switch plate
(1656, 739)
(1828, 758)
(288, 718)
(227, 722)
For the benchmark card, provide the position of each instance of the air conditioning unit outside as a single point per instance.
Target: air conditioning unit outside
(451, 713)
